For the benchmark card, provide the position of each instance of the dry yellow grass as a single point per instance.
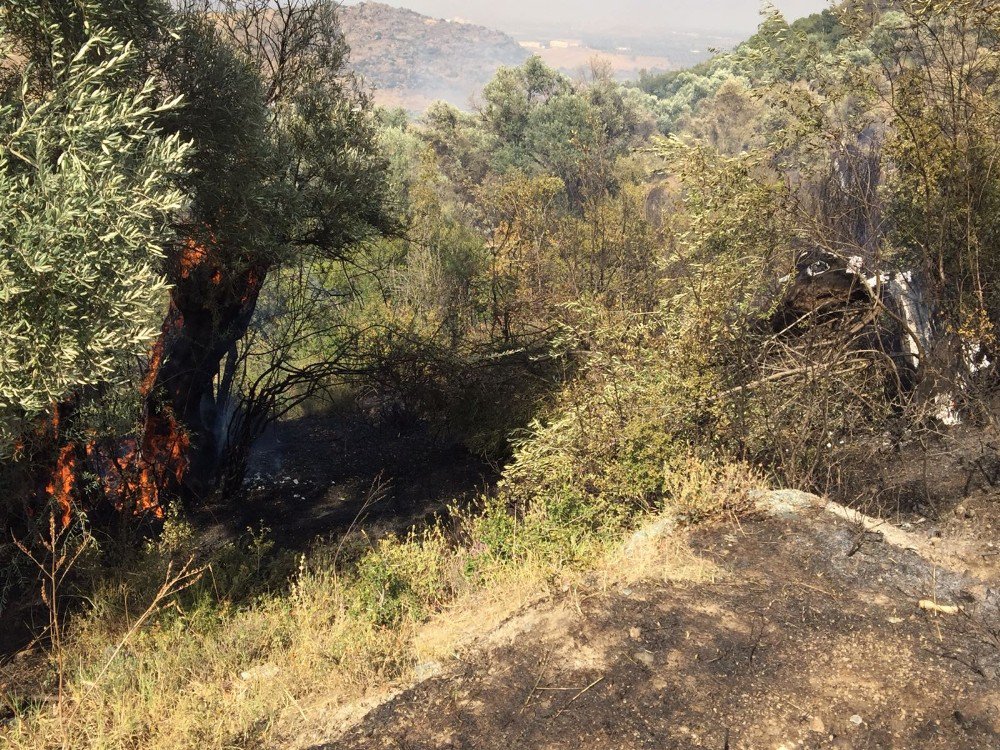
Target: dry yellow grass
(355, 623)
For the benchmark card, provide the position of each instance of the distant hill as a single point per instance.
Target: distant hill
(411, 59)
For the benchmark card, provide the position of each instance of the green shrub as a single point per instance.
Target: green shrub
(402, 579)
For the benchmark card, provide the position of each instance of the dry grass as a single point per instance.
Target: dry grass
(355, 622)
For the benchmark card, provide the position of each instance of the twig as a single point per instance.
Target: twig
(295, 703)
(541, 673)
(173, 584)
(571, 700)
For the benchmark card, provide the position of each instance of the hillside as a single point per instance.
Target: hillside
(655, 415)
(793, 629)
(412, 60)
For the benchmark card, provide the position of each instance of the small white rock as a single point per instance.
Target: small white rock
(260, 672)
(644, 657)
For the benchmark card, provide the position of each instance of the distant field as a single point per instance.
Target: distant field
(624, 65)
(412, 102)
(571, 61)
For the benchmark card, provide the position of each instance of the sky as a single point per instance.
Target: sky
(740, 16)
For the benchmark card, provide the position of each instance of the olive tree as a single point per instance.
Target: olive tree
(286, 172)
(87, 186)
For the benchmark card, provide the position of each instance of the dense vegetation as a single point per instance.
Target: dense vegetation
(608, 290)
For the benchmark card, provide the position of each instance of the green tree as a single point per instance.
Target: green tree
(87, 188)
(285, 171)
(540, 123)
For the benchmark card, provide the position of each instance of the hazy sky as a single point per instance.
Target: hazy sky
(634, 15)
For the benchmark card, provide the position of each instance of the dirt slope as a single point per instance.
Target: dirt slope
(810, 636)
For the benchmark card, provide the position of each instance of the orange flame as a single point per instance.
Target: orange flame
(192, 255)
(152, 369)
(164, 455)
(133, 472)
(195, 254)
(134, 479)
(253, 281)
(60, 486)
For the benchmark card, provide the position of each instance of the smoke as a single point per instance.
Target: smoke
(732, 16)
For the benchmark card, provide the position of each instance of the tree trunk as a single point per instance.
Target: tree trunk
(210, 311)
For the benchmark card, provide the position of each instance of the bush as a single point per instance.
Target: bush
(402, 580)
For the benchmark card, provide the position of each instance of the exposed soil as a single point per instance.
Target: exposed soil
(939, 470)
(812, 638)
(945, 486)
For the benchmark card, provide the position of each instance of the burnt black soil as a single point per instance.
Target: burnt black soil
(320, 475)
(946, 484)
(808, 641)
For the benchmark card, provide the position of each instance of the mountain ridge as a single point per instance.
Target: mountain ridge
(411, 59)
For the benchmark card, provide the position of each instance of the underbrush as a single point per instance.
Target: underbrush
(243, 646)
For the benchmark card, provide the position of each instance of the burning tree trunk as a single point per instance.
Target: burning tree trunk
(62, 482)
(211, 308)
(286, 167)
(178, 450)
